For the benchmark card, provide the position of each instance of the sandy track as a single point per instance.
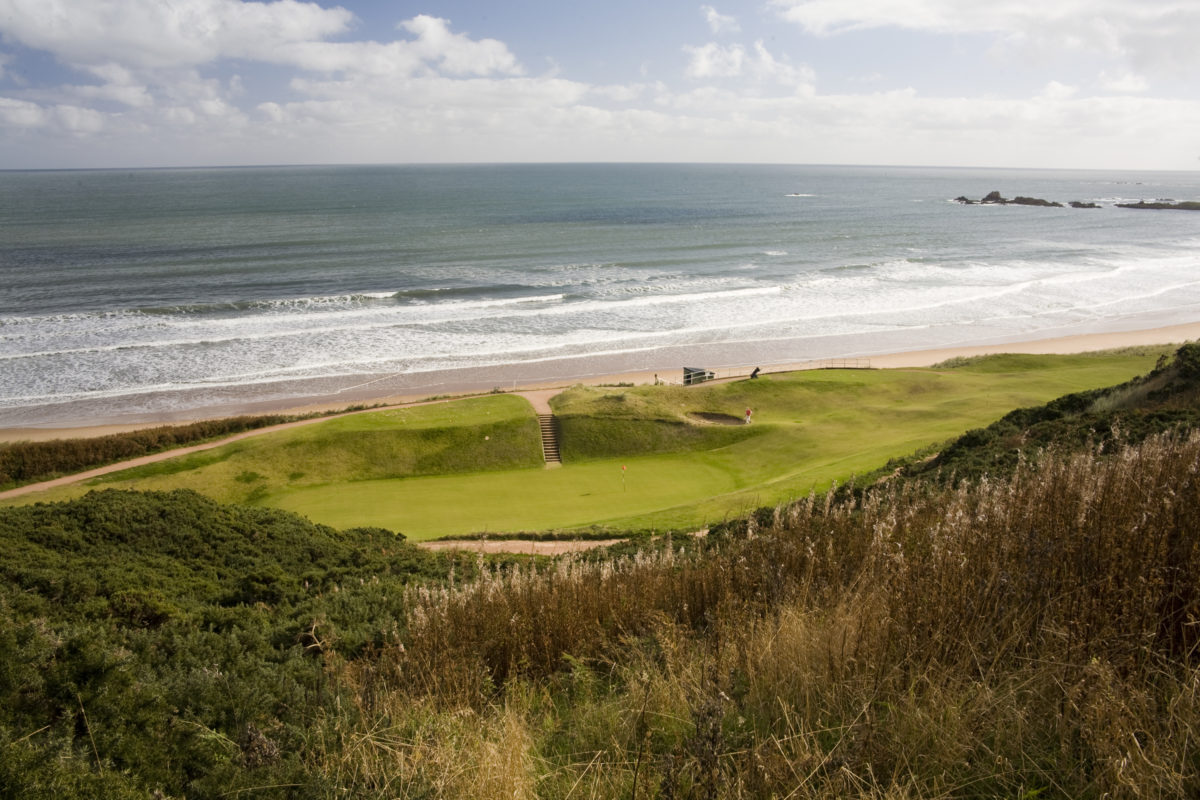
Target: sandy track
(539, 400)
(154, 458)
(528, 547)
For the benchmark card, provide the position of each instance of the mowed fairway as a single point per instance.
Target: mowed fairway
(522, 500)
(473, 466)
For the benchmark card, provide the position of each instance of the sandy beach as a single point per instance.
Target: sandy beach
(378, 390)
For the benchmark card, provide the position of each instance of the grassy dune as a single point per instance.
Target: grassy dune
(474, 465)
(493, 432)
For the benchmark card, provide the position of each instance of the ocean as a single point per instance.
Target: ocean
(168, 294)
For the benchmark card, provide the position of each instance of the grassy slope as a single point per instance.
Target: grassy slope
(1168, 398)
(494, 432)
(810, 428)
(833, 425)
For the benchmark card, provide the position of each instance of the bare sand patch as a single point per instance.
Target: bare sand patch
(712, 418)
(530, 547)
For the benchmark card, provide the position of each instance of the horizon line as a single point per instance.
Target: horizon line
(351, 164)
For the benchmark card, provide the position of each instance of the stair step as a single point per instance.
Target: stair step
(550, 452)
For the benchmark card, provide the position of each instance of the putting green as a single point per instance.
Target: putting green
(523, 500)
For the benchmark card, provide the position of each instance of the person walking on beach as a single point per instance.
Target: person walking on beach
(748, 412)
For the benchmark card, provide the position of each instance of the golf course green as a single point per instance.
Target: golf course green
(645, 457)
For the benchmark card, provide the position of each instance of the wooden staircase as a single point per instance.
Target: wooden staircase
(549, 440)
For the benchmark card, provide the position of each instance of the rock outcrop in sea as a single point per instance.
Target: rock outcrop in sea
(995, 198)
(1168, 205)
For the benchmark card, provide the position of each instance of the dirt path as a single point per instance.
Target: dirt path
(154, 458)
(538, 399)
(521, 546)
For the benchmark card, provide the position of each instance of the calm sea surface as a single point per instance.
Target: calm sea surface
(163, 292)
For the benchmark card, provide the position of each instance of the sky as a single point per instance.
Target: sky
(1109, 84)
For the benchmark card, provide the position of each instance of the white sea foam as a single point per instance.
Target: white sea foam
(483, 295)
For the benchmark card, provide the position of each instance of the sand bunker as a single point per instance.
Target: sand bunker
(709, 418)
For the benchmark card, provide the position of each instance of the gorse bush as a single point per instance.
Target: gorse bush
(165, 642)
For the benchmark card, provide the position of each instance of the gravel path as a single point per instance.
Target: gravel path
(521, 546)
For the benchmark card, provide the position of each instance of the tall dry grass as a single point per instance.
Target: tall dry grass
(1032, 637)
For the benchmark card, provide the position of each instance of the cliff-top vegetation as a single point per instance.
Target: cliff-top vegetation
(1027, 632)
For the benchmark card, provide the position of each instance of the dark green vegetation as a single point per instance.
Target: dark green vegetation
(1033, 634)
(165, 641)
(1165, 400)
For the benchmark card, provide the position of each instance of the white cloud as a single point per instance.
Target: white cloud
(619, 93)
(153, 34)
(147, 56)
(69, 119)
(119, 85)
(156, 34)
(1160, 33)
(79, 120)
(21, 113)
(718, 22)
(457, 54)
(1058, 91)
(715, 61)
(970, 16)
(434, 92)
(423, 118)
(1123, 83)
(766, 67)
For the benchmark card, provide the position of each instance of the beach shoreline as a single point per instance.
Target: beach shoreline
(380, 390)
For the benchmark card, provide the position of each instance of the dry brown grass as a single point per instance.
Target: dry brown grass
(1036, 637)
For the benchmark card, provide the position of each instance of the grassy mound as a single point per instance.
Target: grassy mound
(597, 423)
(476, 434)
(1165, 399)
